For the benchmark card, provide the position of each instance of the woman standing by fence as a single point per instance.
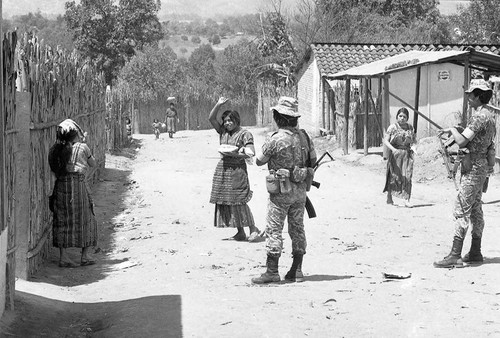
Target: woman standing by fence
(74, 220)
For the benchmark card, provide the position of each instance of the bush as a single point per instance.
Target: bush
(215, 39)
(183, 50)
(184, 38)
(195, 39)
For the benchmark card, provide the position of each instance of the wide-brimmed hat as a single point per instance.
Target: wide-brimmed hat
(287, 106)
(478, 84)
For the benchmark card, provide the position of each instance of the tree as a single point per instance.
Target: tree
(111, 34)
(235, 70)
(215, 39)
(195, 39)
(150, 74)
(479, 22)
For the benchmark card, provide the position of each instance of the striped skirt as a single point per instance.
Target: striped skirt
(230, 184)
(232, 216)
(231, 193)
(74, 223)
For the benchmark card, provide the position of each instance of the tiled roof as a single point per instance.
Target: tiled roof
(336, 57)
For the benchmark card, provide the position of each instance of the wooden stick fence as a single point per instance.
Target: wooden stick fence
(59, 85)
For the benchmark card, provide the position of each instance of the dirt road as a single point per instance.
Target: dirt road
(164, 270)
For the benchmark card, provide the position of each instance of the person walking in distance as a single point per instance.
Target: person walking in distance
(477, 138)
(170, 118)
(290, 157)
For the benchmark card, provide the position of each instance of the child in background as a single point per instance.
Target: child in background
(156, 128)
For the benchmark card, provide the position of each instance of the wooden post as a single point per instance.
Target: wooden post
(328, 109)
(187, 116)
(465, 105)
(365, 120)
(22, 152)
(385, 111)
(417, 99)
(3, 192)
(347, 103)
(323, 103)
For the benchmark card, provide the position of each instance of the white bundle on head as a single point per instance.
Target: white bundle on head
(69, 125)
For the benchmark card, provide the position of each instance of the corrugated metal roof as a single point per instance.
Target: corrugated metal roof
(487, 61)
(397, 63)
(335, 57)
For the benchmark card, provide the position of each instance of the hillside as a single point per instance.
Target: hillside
(177, 44)
(203, 8)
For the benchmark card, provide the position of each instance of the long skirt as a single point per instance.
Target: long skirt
(171, 125)
(232, 216)
(74, 223)
(399, 173)
(230, 194)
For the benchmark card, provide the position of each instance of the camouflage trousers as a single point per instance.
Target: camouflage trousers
(467, 209)
(281, 206)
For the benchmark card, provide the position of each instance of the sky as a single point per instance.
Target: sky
(200, 7)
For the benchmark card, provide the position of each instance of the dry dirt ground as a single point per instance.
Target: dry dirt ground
(164, 270)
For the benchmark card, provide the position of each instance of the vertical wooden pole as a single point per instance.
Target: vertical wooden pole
(323, 103)
(385, 111)
(187, 117)
(347, 103)
(465, 106)
(365, 120)
(23, 113)
(417, 99)
(4, 278)
(328, 106)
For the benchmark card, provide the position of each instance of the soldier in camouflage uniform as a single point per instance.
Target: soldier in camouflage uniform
(289, 148)
(478, 138)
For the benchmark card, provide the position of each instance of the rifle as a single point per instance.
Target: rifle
(451, 158)
(309, 206)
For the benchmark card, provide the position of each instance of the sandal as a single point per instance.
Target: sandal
(67, 265)
(239, 238)
(87, 262)
(255, 237)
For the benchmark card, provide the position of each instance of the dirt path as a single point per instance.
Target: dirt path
(164, 271)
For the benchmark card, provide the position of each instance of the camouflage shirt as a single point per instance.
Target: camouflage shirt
(284, 149)
(482, 123)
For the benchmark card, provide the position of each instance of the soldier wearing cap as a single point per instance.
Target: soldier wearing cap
(289, 149)
(478, 138)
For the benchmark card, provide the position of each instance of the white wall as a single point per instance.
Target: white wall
(3, 268)
(440, 100)
(308, 95)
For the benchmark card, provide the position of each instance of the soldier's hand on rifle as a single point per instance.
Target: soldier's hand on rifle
(446, 131)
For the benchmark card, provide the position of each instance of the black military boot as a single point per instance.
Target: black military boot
(454, 259)
(271, 275)
(474, 255)
(295, 272)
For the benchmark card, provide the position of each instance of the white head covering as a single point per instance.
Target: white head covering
(68, 125)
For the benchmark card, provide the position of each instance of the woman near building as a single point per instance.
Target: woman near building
(74, 223)
(230, 186)
(399, 139)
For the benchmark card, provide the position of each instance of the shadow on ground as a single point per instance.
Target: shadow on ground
(109, 196)
(35, 316)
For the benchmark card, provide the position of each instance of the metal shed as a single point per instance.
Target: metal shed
(470, 59)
